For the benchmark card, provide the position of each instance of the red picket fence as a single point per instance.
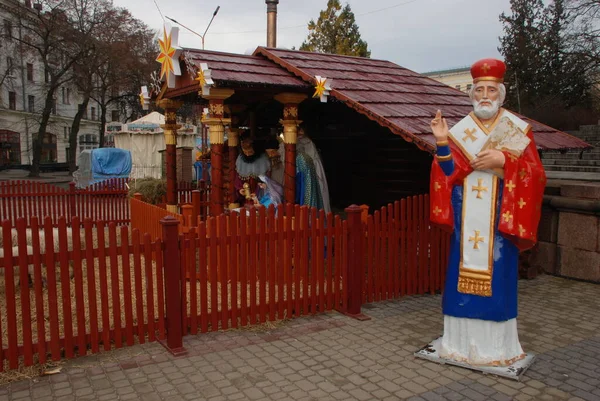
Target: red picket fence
(405, 255)
(245, 269)
(94, 286)
(106, 200)
(99, 286)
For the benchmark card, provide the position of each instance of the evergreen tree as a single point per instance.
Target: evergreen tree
(545, 55)
(521, 48)
(335, 32)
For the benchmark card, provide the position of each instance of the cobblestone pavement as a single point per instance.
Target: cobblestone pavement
(333, 357)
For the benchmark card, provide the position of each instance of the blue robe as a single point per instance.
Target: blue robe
(502, 305)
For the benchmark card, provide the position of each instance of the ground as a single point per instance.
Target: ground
(334, 357)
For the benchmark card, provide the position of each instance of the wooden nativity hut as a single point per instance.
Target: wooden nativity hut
(371, 123)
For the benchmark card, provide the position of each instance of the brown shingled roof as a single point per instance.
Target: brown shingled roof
(395, 97)
(238, 69)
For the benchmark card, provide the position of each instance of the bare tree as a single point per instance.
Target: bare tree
(60, 33)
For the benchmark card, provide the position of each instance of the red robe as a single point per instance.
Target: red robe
(524, 183)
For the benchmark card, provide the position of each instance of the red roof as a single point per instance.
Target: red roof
(395, 97)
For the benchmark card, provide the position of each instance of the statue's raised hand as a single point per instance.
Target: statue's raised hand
(439, 127)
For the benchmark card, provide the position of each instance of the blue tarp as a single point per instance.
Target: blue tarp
(111, 163)
(101, 164)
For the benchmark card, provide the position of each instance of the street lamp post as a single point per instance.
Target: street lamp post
(194, 32)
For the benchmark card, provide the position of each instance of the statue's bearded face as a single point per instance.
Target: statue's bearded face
(486, 99)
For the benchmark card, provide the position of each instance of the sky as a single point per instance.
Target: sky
(422, 35)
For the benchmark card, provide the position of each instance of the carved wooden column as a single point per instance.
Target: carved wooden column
(216, 126)
(170, 128)
(290, 124)
(233, 143)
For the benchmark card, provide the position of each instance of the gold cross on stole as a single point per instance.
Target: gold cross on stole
(470, 134)
(479, 188)
(477, 239)
(485, 68)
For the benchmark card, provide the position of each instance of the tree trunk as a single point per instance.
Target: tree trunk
(75, 132)
(36, 140)
(102, 123)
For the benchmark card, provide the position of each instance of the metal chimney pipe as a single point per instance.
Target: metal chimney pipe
(272, 22)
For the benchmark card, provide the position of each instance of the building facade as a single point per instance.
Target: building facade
(22, 95)
(458, 78)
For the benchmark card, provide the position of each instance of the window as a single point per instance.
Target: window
(85, 114)
(93, 109)
(46, 75)
(8, 29)
(115, 115)
(9, 66)
(64, 95)
(53, 106)
(65, 133)
(469, 86)
(31, 103)
(12, 100)
(457, 87)
(30, 72)
(68, 96)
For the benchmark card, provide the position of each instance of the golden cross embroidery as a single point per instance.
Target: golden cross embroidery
(510, 186)
(436, 186)
(507, 216)
(477, 239)
(522, 173)
(437, 210)
(470, 134)
(521, 203)
(485, 68)
(513, 157)
(522, 231)
(479, 188)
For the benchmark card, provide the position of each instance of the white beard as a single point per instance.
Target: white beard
(486, 112)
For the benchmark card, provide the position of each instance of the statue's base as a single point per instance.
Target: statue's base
(514, 371)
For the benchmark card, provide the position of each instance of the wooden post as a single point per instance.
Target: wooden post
(170, 128)
(72, 200)
(233, 143)
(355, 276)
(187, 211)
(290, 124)
(216, 125)
(172, 274)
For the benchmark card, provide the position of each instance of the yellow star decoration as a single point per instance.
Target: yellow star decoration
(485, 68)
(319, 88)
(166, 56)
(522, 231)
(437, 211)
(201, 78)
(510, 185)
(436, 186)
(507, 216)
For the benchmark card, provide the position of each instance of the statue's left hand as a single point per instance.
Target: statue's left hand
(488, 159)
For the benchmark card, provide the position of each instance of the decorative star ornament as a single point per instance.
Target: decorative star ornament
(322, 88)
(145, 98)
(169, 55)
(204, 79)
